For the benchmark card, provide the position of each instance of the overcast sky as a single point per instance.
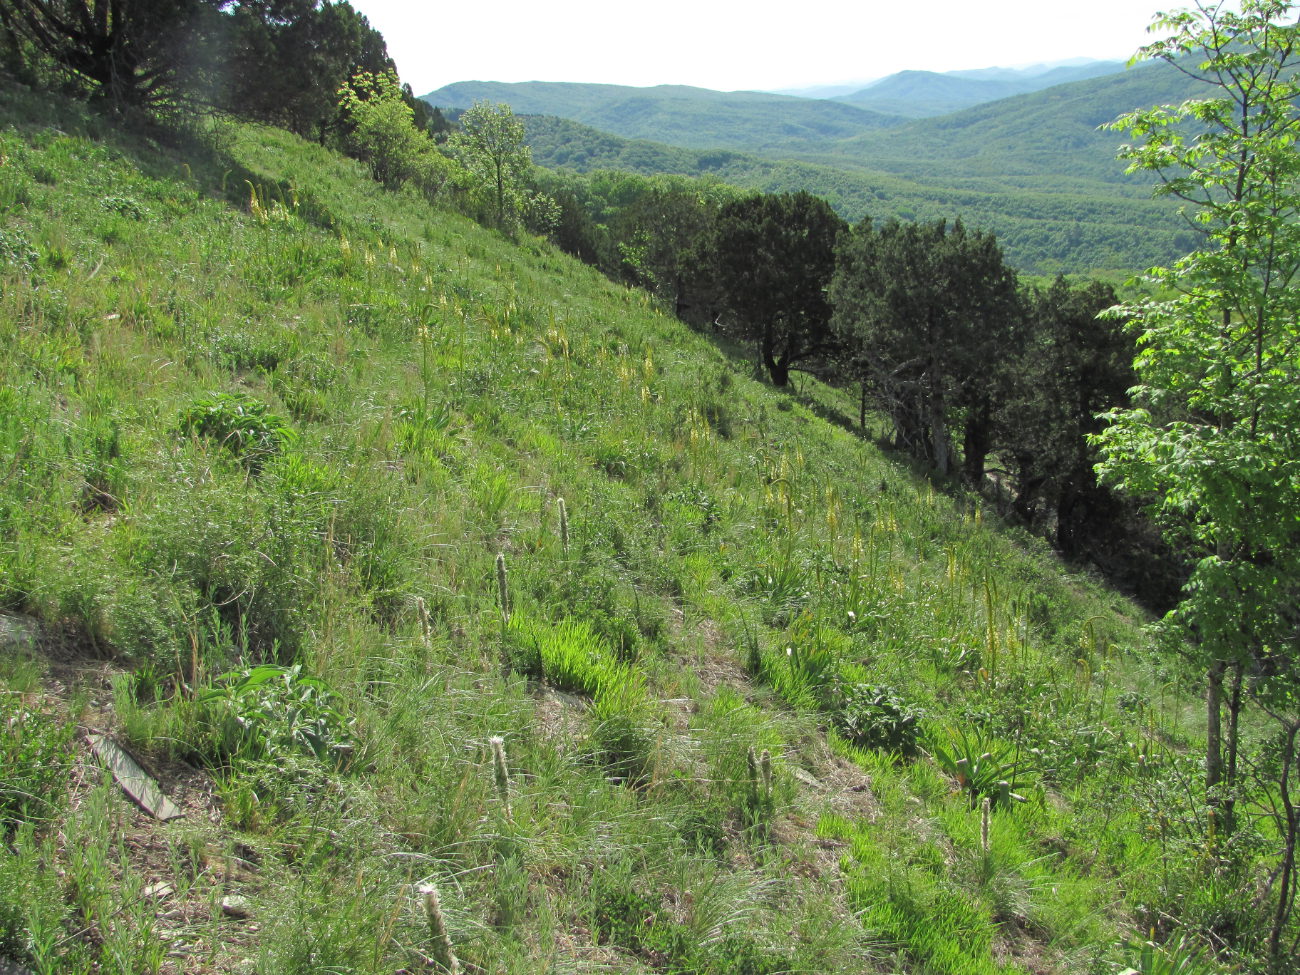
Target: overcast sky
(730, 45)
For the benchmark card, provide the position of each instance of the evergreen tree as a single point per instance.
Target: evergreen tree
(133, 53)
(774, 256)
(929, 315)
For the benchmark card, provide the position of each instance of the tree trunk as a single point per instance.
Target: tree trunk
(1214, 729)
(779, 371)
(1284, 897)
(975, 446)
(939, 451)
(1234, 713)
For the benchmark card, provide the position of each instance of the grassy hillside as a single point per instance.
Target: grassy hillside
(311, 493)
(696, 118)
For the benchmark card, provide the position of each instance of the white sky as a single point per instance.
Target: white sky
(743, 44)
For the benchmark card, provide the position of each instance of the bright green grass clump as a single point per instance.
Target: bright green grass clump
(258, 413)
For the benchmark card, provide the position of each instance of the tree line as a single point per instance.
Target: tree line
(981, 375)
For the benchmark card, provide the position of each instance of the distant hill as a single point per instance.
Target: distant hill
(676, 114)
(920, 94)
(1051, 135)
(1056, 226)
(1034, 168)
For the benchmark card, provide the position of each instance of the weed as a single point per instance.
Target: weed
(983, 768)
(876, 716)
(264, 712)
(240, 424)
(35, 759)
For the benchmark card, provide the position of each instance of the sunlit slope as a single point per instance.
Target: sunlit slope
(263, 413)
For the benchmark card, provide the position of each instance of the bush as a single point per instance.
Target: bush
(239, 423)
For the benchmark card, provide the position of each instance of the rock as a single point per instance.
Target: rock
(807, 778)
(17, 633)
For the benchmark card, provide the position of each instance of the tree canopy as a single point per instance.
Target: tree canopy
(928, 314)
(134, 52)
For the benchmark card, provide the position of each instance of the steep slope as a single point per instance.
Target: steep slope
(403, 556)
(695, 118)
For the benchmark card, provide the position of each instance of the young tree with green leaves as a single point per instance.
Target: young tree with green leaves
(381, 128)
(491, 147)
(1213, 435)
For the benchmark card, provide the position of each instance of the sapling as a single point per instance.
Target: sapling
(439, 941)
(564, 525)
(501, 773)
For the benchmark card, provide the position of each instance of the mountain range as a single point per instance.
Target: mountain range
(920, 94)
(1036, 168)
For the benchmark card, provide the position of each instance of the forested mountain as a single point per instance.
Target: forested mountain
(920, 94)
(1055, 226)
(677, 114)
(1034, 169)
(1043, 138)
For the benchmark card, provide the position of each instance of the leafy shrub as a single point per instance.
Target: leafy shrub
(875, 716)
(16, 252)
(124, 206)
(239, 423)
(268, 711)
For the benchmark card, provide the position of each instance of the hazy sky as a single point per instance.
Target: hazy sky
(756, 44)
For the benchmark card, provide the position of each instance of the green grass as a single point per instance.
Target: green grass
(733, 564)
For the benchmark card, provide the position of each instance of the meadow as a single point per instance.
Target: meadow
(408, 558)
